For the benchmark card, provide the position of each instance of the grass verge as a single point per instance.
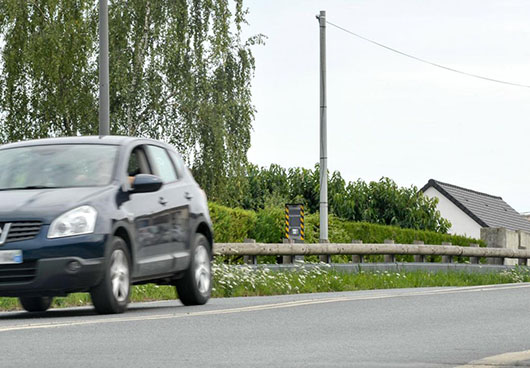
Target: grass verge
(232, 281)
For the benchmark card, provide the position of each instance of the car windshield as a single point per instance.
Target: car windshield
(57, 166)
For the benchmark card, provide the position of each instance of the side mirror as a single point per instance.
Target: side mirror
(145, 183)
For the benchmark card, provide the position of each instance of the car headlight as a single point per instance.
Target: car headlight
(80, 220)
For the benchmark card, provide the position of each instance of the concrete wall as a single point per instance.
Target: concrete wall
(524, 241)
(461, 223)
(503, 238)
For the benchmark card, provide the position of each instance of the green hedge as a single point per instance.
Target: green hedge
(341, 231)
(266, 226)
(231, 225)
(235, 224)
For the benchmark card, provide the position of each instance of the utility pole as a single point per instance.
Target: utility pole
(323, 137)
(104, 68)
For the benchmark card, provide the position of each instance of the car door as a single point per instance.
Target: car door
(175, 198)
(151, 220)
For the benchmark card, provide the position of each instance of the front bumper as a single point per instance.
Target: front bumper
(54, 267)
(50, 277)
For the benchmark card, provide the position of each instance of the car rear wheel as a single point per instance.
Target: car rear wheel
(36, 303)
(195, 287)
(112, 294)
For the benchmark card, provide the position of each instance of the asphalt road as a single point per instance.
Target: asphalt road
(435, 327)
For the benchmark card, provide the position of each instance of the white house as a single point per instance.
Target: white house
(469, 210)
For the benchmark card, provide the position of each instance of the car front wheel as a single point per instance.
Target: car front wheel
(195, 287)
(112, 294)
(36, 303)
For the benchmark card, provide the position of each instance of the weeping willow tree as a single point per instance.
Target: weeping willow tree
(180, 71)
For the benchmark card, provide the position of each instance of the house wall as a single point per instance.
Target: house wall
(461, 223)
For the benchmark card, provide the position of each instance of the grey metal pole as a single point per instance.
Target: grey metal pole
(323, 133)
(104, 68)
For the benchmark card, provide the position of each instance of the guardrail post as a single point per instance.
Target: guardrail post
(473, 260)
(356, 258)
(389, 258)
(250, 259)
(420, 258)
(447, 259)
(287, 259)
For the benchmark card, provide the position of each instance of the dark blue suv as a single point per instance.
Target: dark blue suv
(98, 214)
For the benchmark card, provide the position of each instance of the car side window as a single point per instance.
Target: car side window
(137, 164)
(162, 165)
(134, 165)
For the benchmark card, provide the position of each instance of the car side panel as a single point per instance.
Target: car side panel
(178, 231)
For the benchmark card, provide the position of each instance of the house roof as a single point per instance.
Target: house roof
(485, 209)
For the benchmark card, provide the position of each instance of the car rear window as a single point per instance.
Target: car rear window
(57, 166)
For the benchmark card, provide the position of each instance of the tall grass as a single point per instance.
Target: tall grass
(233, 281)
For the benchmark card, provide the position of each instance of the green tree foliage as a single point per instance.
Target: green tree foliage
(47, 82)
(380, 202)
(179, 72)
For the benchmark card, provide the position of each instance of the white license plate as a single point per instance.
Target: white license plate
(10, 256)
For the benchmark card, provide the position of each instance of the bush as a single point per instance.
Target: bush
(269, 226)
(341, 231)
(231, 225)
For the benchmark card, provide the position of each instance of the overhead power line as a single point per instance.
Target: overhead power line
(427, 61)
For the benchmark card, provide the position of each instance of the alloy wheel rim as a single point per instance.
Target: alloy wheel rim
(202, 270)
(119, 273)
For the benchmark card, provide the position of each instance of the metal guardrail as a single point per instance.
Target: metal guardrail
(389, 267)
(359, 249)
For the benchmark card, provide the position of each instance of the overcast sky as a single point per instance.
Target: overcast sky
(389, 115)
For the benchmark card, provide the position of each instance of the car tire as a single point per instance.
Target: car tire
(112, 294)
(195, 287)
(36, 303)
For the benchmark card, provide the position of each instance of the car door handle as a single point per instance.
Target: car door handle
(162, 201)
(188, 196)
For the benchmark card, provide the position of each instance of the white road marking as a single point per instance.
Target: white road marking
(299, 303)
(501, 360)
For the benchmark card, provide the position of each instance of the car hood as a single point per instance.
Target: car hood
(44, 204)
